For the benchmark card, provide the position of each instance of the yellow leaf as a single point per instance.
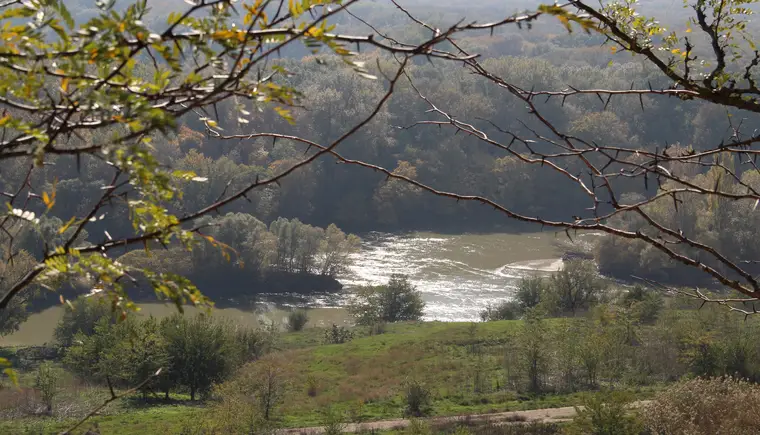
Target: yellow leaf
(66, 225)
(49, 202)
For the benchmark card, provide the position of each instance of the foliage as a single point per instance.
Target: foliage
(333, 422)
(337, 335)
(646, 304)
(201, 349)
(574, 288)
(529, 291)
(48, 381)
(605, 413)
(507, 310)
(417, 399)
(532, 352)
(81, 316)
(705, 406)
(396, 301)
(11, 270)
(297, 319)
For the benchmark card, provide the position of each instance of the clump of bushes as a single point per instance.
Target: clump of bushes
(574, 289)
(705, 406)
(193, 353)
(397, 301)
(338, 335)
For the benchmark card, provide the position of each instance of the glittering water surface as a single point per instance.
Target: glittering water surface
(458, 275)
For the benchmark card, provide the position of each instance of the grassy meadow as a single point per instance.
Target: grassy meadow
(362, 379)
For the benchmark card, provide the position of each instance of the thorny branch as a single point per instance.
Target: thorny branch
(603, 163)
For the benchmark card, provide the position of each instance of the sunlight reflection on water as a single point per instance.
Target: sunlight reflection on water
(458, 275)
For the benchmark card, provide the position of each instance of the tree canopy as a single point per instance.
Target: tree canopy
(121, 131)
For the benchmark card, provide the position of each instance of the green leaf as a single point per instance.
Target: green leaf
(65, 14)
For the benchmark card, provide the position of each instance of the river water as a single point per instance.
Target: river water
(458, 275)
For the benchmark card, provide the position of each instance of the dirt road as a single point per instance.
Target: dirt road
(546, 415)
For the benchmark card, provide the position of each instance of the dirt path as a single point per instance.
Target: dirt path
(546, 415)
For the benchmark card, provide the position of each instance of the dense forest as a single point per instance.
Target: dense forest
(197, 156)
(360, 200)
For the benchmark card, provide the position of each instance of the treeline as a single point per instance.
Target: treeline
(731, 227)
(357, 199)
(240, 256)
(193, 352)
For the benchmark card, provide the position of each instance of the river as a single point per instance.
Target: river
(457, 275)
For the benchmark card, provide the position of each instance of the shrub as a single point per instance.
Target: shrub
(605, 413)
(377, 328)
(574, 288)
(396, 301)
(338, 335)
(297, 319)
(333, 422)
(507, 310)
(418, 399)
(646, 304)
(705, 406)
(48, 382)
(529, 292)
(312, 387)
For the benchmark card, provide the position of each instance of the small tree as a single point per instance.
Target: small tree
(146, 354)
(529, 291)
(47, 383)
(418, 399)
(576, 287)
(297, 319)
(201, 349)
(533, 350)
(396, 301)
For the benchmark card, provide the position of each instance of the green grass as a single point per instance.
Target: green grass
(168, 419)
(364, 378)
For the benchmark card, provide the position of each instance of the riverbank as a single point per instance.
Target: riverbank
(38, 329)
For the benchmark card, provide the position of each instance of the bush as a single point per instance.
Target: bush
(705, 406)
(396, 301)
(645, 304)
(297, 319)
(48, 384)
(418, 399)
(605, 414)
(508, 310)
(333, 422)
(530, 291)
(574, 288)
(338, 335)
